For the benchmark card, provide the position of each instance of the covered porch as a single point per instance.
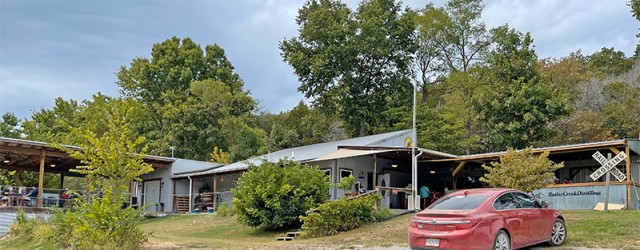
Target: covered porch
(41, 158)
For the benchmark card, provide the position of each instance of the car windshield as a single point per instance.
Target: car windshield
(459, 202)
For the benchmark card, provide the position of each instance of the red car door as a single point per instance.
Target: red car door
(536, 219)
(516, 219)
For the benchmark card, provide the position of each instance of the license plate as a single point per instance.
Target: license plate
(433, 242)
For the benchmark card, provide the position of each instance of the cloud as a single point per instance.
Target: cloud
(73, 48)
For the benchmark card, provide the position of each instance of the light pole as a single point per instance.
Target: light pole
(414, 163)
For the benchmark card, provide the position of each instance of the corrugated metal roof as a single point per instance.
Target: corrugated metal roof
(346, 153)
(552, 149)
(306, 153)
(184, 166)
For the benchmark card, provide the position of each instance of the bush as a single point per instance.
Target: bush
(99, 224)
(225, 210)
(23, 226)
(342, 215)
(274, 195)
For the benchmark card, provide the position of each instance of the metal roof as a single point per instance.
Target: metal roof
(184, 166)
(309, 152)
(552, 149)
(23, 152)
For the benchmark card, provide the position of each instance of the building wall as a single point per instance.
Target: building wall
(166, 190)
(565, 198)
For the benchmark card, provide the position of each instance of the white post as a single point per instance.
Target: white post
(190, 192)
(606, 187)
(414, 164)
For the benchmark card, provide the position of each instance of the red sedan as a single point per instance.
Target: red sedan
(488, 218)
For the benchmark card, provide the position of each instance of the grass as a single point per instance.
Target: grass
(614, 229)
(593, 229)
(210, 231)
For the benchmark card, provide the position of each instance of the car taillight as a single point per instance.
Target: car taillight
(468, 223)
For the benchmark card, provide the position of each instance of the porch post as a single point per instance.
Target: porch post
(41, 178)
(628, 168)
(375, 168)
(215, 191)
(61, 181)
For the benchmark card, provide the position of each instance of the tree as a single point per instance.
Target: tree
(281, 138)
(609, 62)
(521, 169)
(567, 73)
(111, 160)
(353, 62)
(517, 109)
(274, 195)
(10, 126)
(219, 156)
(186, 91)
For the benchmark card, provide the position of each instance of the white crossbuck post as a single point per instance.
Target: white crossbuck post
(609, 166)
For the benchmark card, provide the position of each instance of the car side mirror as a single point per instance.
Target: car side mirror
(544, 204)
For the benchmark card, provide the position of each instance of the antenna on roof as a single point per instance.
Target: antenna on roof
(172, 149)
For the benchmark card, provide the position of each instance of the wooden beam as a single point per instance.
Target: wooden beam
(41, 178)
(615, 150)
(29, 151)
(628, 168)
(458, 168)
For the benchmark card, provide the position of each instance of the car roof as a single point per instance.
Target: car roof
(483, 191)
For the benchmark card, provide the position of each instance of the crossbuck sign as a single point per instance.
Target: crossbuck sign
(609, 166)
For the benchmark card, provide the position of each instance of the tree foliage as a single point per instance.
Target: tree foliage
(187, 92)
(355, 62)
(517, 110)
(273, 195)
(522, 170)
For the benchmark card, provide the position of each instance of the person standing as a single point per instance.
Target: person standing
(424, 195)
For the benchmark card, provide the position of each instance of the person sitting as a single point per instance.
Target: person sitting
(28, 198)
(567, 180)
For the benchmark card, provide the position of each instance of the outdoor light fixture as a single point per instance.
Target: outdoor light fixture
(6, 159)
(53, 165)
(394, 165)
(432, 172)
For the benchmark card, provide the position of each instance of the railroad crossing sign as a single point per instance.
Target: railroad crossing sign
(608, 166)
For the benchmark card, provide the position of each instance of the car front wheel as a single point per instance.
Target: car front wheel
(558, 233)
(502, 241)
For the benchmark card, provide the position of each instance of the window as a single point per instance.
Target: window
(525, 200)
(459, 202)
(506, 201)
(327, 172)
(345, 173)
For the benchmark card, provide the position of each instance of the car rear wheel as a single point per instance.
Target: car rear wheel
(558, 233)
(502, 241)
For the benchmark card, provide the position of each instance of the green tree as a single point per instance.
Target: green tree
(54, 125)
(10, 126)
(609, 62)
(518, 107)
(110, 161)
(521, 169)
(220, 156)
(281, 138)
(354, 62)
(186, 92)
(274, 195)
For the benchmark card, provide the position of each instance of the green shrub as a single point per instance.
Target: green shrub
(382, 214)
(225, 210)
(23, 226)
(99, 224)
(274, 195)
(341, 215)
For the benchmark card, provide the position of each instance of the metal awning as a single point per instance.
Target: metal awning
(346, 153)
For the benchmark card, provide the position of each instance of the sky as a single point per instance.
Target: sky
(72, 49)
